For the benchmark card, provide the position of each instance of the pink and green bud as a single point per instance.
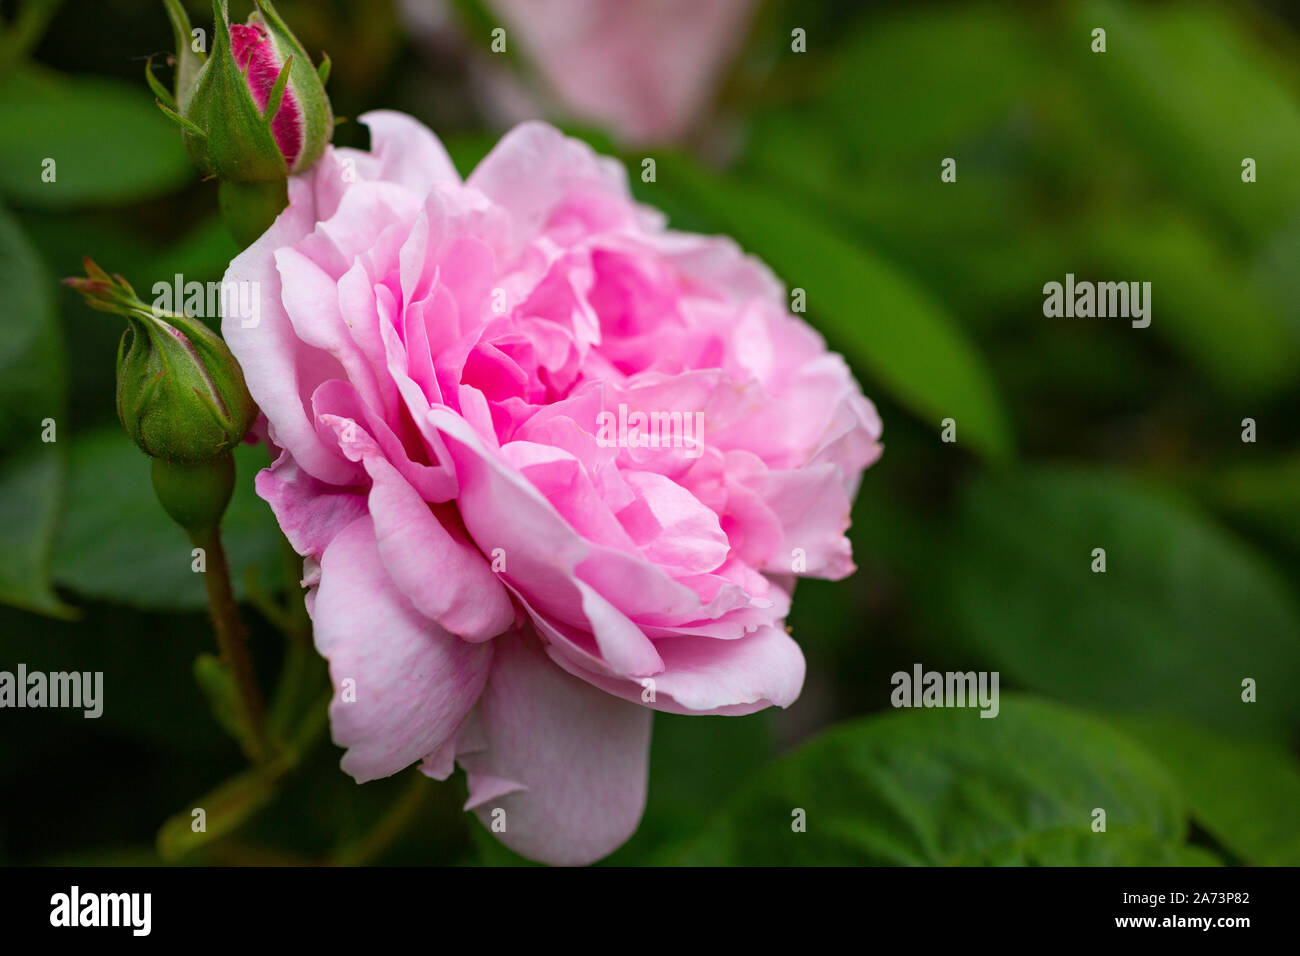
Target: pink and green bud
(255, 109)
(181, 395)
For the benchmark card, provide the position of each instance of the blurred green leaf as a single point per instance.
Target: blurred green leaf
(888, 326)
(1196, 88)
(909, 89)
(29, 493)
(919, 82)
(947, 787)
(1273, 271)
(1181, 615)
(32, 389)
(1266, 494)
(1243, 792)
(1203, 299)
(115, 542)
(32, 373)
(979, 242)
(109, 142)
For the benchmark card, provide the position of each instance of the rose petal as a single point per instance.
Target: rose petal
(412, 682)
(565, 762)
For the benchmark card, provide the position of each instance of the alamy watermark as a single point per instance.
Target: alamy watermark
(233, 299)
(79, 690)
(656, 429)
(1102, 300)
(922, 688)
(130, 910)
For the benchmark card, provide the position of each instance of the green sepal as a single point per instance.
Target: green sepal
(181, 121)
(277, 92)
(161, 92)
(307, 83)
(188, 61)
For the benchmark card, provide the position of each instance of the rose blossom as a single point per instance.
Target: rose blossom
(646, 70)
(497, 580)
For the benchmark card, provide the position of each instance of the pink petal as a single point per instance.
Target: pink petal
(310, 512)
(403, 151)
(706, 676)
(502, 510)
(535, 169)
(413, 682)
(674, 530)
(446, 578)
(566, 762)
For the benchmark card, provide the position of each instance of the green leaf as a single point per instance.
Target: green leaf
(1195, 281)
(29, 491)
(108, 142)
(32, 391)
(32, 373)
(884, 323)
(1182, 614)
(116, 543)
(1245, 793)
(890, 92)
(1195, 91)
(1265, 494)
(948, 787)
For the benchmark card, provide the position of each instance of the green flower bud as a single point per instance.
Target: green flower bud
(255, 110)
(181, 395)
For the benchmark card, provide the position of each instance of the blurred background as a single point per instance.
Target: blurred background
(813, 133)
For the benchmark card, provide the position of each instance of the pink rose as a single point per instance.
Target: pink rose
(504, 571)
(644, 68)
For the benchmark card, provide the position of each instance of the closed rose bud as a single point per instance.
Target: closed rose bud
(180, 393)
(251, 113)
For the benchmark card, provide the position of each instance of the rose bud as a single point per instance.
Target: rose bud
(180, 393)
(180, 396)
(251, 113)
